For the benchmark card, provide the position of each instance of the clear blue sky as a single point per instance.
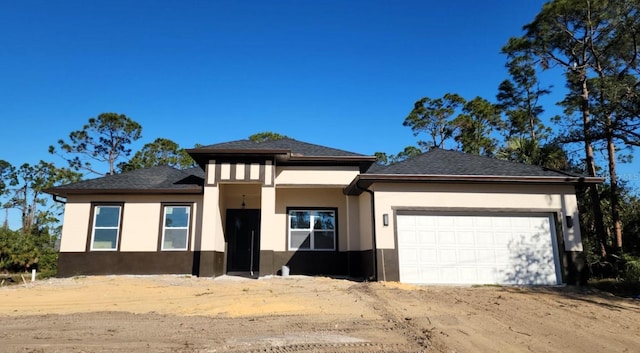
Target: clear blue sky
(339, 73)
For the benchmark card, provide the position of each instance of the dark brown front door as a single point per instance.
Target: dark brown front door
(243, 241)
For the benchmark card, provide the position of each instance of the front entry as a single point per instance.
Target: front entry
(243, 241)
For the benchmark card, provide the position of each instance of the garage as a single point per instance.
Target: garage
(473, 248)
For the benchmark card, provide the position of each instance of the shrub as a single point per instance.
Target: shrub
(632, 270)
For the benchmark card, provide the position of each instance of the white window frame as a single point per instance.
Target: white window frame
(94, 227)
(311, 230)
(164, 227)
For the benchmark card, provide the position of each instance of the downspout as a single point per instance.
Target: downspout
(374, 248)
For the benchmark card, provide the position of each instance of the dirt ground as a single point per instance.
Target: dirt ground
(307, 314)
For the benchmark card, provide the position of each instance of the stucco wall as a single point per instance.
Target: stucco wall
(140, 220)
(303, 197)
(338, 176)
(525, 198)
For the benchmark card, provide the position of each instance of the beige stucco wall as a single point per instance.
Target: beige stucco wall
(140, 228)
(364, 204)
(525, 198)
(276, 239)
(320, 176)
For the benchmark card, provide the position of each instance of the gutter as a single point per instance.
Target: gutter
(57, 199)
(374, 247)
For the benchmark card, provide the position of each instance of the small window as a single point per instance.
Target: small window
(312, 230)
(175, 228)
(106, 227)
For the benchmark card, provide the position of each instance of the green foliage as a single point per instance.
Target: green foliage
(161, 151)
(104, 139)
(632, 270)
(267, 136)
(474, 127)
(434, 118)
(528, 151)
(408, 152)
(518, 98)
(27, 184)
(21, 252)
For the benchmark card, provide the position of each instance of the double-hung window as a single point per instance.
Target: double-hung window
(312, 229)
(106, 227)
(175, 227)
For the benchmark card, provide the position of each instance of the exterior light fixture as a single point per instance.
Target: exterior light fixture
(569, 220)
(385, 219)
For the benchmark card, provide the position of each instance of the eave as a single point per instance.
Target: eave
(281, 156)
(156, 191)
(363, 181)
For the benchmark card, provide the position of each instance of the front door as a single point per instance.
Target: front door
(243, 241)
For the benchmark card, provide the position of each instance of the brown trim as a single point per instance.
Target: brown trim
(64, 192)
(559, 230)
(92, 219)
(353, 264)
(161, 226)
(363, 181)
(460, 211)
(312, 208)
(136, 263)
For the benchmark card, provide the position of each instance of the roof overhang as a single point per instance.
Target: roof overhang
(202, 156)
(158, 191)
(364, 181)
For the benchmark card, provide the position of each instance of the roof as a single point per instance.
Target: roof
(285, 145)
(284, 151)
(160, 179)
(439, 165)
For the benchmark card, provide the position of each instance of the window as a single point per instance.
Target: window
(106, 227)
(312, 229)
(175, 228)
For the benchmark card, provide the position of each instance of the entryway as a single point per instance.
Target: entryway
(243, 242)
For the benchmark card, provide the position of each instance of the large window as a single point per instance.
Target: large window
(175, 228)
(312, 229)
(106, 227)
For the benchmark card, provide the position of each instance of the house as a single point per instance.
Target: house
(253, 207)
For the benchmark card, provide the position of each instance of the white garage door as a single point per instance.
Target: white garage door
(474, 249)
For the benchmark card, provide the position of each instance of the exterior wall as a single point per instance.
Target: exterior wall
(344, 261)
(141, 224)
(293, 197)
(486, 197)
(316, 176)
(557, 199)
(139, 238)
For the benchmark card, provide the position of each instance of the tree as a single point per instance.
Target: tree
(587, 39)
(474, 127)
(104, 139)
(518, 98)
(528, 151)
(433, 117)
(27, 183)
(5, 170)
(408, 152)
(161, 151)
(267, 136)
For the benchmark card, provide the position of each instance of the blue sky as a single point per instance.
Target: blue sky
(339, 73)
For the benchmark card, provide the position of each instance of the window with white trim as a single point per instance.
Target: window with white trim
(175, 227)
(312, 229)
(106, 227)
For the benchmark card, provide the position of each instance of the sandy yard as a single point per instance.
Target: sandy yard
(307, 314)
